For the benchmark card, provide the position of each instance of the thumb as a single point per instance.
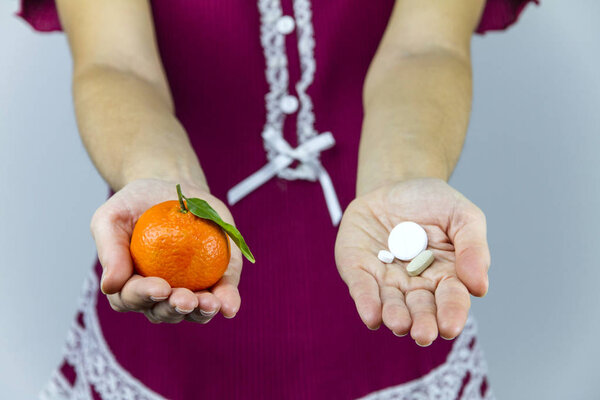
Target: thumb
(112, 243)
(472, 252)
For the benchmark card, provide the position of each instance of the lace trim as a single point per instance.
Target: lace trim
(280, 154)
(273, 44)
(445, 382)
(277, 75)
(96, 366)
(57, 388)
(306, 45)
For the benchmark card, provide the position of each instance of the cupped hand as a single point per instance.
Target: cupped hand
(112, 226)
(438, 300)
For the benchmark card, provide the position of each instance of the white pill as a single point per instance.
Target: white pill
(407, 240)
(420, 263)
(385, 256)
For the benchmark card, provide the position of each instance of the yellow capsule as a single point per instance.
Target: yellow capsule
(420, 263)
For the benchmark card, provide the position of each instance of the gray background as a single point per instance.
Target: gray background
(530, 162)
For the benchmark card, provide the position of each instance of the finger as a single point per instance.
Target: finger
(226, 289)
(395, 314)
(116, 303)
(150, 316)
(365, 292)
(208, 306)
(473, 254)
(421, 305)
(112, 242)
(180, 303)
(140, 293)
(453, 302)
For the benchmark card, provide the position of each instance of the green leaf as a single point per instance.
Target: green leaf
(200, 208)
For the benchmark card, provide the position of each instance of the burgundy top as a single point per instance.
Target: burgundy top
(298, 334)
(498, 14)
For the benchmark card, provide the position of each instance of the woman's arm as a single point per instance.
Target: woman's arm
(417, 94)
(122, 100)
(417, 98)
(125, 116)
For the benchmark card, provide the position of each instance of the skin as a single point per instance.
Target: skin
(437, 300)
(112, 226)
(417, 97)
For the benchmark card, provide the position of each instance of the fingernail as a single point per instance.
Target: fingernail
(423, 345)
(399, 335)
(445, 338)
(158, 298)
(373, 329)
(207, 313)
(487, 286)
(102, 280)
(233, 314)
(180, 311)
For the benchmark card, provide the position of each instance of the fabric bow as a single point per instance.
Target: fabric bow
(310, 169)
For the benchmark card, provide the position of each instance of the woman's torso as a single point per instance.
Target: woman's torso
(297, 334)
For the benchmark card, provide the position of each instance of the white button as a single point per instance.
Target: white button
(407, 240)
(289, 104)
(285, 25)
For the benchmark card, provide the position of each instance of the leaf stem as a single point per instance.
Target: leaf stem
(181, 203)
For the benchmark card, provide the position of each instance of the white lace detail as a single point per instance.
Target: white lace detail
(57, 388)
(306, 45)
(444, 382)
(94, 364)
(309, 165)
(276, 71)
(277, 75)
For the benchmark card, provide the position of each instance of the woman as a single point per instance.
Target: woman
(164, 85)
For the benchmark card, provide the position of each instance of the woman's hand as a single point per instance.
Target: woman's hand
(112, 226)
(436, 301)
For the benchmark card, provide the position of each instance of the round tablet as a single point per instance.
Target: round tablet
(407, 240)
(385, 256)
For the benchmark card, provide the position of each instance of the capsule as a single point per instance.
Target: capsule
(420, 263)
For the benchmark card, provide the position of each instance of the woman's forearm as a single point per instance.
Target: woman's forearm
(416, 115)
(129, 129)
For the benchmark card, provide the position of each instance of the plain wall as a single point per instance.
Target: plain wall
(530, 162)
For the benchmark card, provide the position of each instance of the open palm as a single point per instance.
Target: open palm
(112, 227)
(438, 300)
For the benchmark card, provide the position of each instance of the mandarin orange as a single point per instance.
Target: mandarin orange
(179, 247)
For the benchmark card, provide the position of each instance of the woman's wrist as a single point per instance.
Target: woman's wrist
(395, 149)
(372, 185)
(183, 174)
(377, 170)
